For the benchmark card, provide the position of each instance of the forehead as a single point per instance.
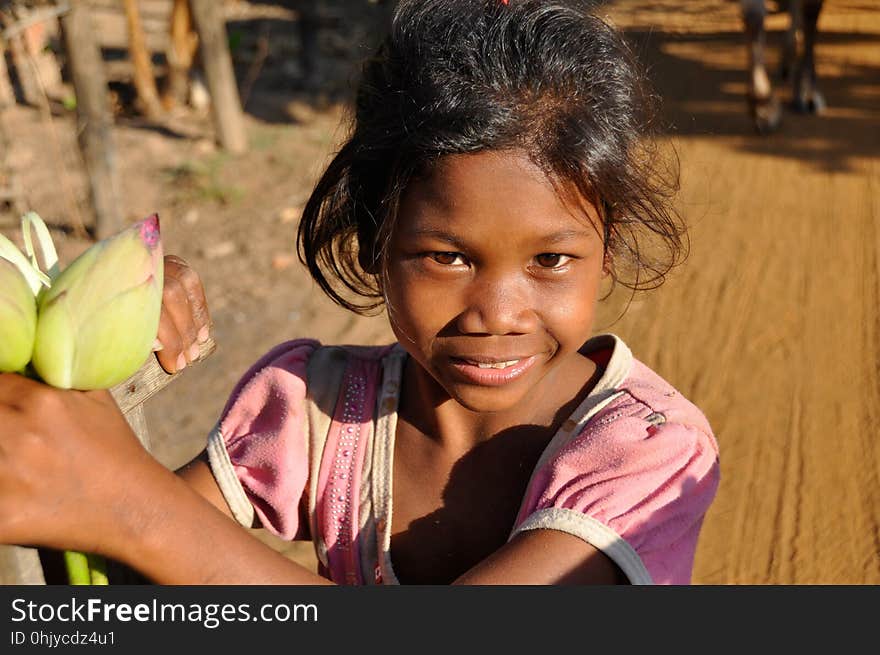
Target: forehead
(497, 192)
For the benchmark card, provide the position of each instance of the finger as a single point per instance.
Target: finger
(179, 271)
(181, 313)
(172, 343)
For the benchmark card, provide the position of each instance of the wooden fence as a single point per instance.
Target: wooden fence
(192, 23)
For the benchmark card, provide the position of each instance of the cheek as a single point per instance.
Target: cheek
(419, 306)
(568, 311)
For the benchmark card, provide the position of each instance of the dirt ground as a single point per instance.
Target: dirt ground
(772, 326)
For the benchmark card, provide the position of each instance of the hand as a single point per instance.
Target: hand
(184, 322)
(74, 477)
(72, 473)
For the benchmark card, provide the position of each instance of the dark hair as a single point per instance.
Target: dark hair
(463, 76)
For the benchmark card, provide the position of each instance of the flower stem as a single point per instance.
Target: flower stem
(77, 566)
(98, 569)
(85, 569)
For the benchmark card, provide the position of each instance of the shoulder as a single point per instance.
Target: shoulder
(260, 449)
(648, 395)
(279, 372)
(637, 405)
(647, 442)
(645, 433)
(647, 417)
(288, 370)
(639, 473)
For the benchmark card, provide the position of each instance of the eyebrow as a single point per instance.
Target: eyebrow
(567, 235)
(555, 237)
(440, 235)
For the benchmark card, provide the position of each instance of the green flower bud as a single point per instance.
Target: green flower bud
(97, 323)
(18, 319)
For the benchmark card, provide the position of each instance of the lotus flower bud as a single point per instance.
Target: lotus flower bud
(97, 323)
(18, 319)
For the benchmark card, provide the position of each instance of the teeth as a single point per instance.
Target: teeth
(498, 364)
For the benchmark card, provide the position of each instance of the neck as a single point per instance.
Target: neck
(429, 409)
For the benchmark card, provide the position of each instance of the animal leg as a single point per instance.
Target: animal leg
(764, 106)
(806, 95)
(793, 36)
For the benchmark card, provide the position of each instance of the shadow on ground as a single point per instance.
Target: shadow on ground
(700, 76)
(703, 93)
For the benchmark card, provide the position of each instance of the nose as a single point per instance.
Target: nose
(498, 305)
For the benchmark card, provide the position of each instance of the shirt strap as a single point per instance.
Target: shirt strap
(340, 472)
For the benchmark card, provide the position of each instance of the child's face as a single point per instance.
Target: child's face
(489, 266)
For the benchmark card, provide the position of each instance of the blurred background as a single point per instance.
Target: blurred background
(772, 326)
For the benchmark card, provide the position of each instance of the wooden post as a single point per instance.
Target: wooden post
(95, 121)
(27, 78)
(225, 102)
(131, 395)
(144, 80)
(20, 565)
(10, 191)
(182, 45)
(7, 95)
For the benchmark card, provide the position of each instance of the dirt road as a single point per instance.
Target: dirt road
(772, 326)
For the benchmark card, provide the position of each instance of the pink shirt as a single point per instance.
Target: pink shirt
(309, 431)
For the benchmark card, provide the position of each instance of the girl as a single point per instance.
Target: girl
(497, 173)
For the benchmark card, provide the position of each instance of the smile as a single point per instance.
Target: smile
(486, 372)
(496, 364)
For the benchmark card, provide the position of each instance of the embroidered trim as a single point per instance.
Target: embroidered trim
(338, 509)
(383, 460)
(594, 533)
(325, 373)
(227, 480)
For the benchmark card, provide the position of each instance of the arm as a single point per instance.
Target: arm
(197, 531)
(544, 557)
(197, 474)
(196, 527)
(636, 519)
(534, 557)
(73, 476)
(185, 322)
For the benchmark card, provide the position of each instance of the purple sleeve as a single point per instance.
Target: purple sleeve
(637, 491)
(259, 449)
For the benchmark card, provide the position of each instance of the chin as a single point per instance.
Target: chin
(488, 401)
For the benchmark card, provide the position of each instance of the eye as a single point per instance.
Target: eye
(447, 258)
(552, 260)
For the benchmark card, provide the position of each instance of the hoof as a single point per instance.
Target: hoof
(766, 113)
(810, 103)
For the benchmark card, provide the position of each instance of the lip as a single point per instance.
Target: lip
(492, 377)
